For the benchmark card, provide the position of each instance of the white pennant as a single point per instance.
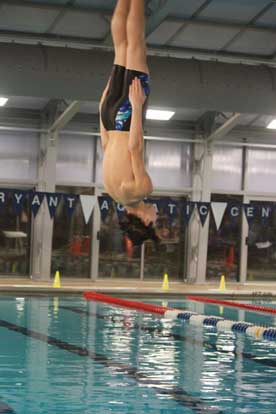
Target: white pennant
(88, 203)
(218, 212)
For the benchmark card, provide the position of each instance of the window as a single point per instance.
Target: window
(224, 244)
(71, 239)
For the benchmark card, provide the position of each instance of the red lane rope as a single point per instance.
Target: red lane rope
(239, 305)
(99, 297)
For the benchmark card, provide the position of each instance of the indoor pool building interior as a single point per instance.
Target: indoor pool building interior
(138, 206)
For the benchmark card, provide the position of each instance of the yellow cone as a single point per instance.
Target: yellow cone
(165, 285)
(222, 283)
(56, 283)
(221, 310)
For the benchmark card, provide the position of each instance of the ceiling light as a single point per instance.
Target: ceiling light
(159, 115)
(272, 124)
(3, 101)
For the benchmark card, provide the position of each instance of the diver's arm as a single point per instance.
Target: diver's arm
(142, 181)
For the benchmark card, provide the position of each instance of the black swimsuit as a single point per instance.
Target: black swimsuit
(116, 108)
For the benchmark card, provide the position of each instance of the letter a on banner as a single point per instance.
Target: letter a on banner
(36, 200)
(105, 204)
(218, 210)
(157, 203)
(87, 203)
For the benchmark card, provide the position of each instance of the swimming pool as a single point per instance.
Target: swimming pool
(66, 355)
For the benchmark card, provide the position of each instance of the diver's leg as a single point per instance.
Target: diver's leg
(119, 31)
(136, 46)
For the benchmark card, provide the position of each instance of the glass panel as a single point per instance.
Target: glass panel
(71, 239)
(18, 156)
(262, 249)
(75, 159)
(224, 244)
(117, 259)
(15, 235)
(227, 169)
(261, 170)
(169, 164)
(169, 256)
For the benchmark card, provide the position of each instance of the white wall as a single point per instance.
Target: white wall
(261, 171)
(18, 156)
(75, 159)
(226, 169)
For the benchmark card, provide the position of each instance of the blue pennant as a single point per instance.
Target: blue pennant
(234, 210)
(120, 211)
(36, 200)
(53, 200)
(187, 210)
(250, 211)
(203, 211)
(3, 198)
(265, 211)
(170, 208)
(18, 198)
(105, 204)
(70, 202)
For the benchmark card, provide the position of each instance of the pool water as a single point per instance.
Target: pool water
(69, 356)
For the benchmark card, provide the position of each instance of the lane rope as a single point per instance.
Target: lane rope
(220, 324)
(239, 305)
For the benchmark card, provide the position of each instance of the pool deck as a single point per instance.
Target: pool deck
(123, 287)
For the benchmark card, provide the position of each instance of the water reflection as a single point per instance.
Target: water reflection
(106, 359)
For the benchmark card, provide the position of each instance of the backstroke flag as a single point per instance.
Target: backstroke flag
(218, 210)
(88, 203)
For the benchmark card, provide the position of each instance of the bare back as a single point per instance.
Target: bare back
(118, 175)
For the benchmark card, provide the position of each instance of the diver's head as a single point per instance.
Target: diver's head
(139, 230)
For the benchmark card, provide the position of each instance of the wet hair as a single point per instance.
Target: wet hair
(136, 230)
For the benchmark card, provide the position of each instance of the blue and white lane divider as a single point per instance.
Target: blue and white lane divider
(223, 325)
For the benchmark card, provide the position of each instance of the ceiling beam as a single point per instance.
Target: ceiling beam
(44, 5)
(190, 20)
(250, 23)
(68, 73)
(158, 16)
(224, 129)
(65, 117)
(224, 25)
(49, 39)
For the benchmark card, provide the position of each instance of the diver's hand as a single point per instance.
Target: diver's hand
(137, 95)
